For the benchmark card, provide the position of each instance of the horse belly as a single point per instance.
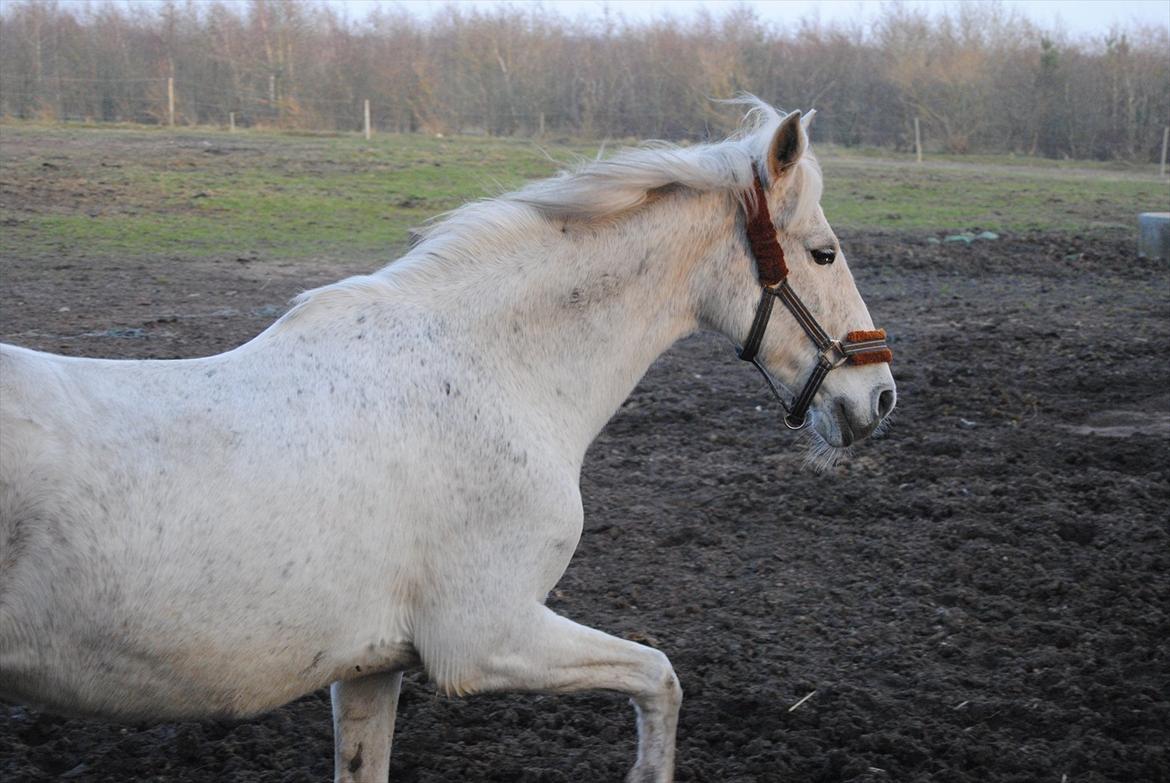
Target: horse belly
(79, 651)
(226, 623)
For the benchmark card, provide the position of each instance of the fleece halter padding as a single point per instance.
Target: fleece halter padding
(868, 347)
(858, 347)
(770, 264)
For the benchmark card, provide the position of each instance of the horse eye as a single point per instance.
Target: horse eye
(824, 255)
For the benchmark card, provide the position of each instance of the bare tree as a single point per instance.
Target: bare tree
(978, 77)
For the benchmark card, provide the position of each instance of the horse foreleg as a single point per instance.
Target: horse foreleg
(549, 654)
(363, 727)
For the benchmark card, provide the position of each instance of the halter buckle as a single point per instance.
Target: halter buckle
(834, 355)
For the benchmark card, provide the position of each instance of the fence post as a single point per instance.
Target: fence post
(917, 141)
(171, 101)
(1165, 139)
(231, 122)
(367, 118)
(541, 124)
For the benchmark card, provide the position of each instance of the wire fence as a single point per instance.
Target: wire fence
(168, 101)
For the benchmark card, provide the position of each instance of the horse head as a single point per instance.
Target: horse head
(823, 324)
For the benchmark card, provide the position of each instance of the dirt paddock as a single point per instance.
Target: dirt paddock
(982, 595)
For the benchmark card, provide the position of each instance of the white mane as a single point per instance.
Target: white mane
(596, 190)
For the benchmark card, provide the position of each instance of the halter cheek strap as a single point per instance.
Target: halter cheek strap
(859, 347)
(770, 264)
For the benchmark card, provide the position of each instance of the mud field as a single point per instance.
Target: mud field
(981, 595)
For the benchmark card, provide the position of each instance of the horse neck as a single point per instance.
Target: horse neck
(581, 312)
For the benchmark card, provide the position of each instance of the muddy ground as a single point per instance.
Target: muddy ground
(982, 595)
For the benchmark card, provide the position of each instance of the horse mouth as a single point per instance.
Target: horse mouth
(830, 435)
(832, 428)
(844, 428)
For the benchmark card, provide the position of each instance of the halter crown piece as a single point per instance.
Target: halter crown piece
(860, 347)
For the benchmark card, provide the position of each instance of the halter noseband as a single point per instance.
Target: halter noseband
(861, 347)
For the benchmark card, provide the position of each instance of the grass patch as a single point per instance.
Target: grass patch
(113, 192)
(953, 198)
(117, 192)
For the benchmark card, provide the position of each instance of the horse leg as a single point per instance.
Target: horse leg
(544, 652)
(363, 727)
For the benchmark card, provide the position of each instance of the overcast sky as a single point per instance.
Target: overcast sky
(1078, 17)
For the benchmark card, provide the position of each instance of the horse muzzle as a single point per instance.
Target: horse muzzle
(844, 420)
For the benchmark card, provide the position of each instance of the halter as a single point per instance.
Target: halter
(860, 347)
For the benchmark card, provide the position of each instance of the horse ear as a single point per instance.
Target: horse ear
(806, 121)
(787, 146)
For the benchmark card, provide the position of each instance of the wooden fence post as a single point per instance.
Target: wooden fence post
(1165, 139)
(367, 118)
(917, 141)
(171, 101)
(231, 122)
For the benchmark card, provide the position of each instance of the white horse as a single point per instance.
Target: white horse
(389, 475)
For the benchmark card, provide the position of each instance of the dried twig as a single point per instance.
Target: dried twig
(802, 701)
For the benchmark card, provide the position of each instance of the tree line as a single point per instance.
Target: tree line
(979, 78)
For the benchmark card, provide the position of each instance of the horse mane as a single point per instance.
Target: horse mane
(602, 188)
(592, 191)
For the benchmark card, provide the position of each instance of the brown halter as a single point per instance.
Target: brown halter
(861, 347)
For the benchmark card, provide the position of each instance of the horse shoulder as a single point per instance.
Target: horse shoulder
(33, 449)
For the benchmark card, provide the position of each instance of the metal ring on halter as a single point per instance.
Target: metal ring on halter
(775, 387)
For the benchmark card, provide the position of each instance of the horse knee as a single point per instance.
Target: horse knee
(663, 692)
(675, 688)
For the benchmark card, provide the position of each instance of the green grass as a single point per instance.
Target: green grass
(119, 192)
(869, 188)
(989, 159)
(948, 196)
(122, 191)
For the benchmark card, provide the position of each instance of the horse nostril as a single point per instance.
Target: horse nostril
(885, 403)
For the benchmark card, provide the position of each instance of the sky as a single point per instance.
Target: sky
(1078, 17)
